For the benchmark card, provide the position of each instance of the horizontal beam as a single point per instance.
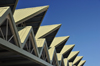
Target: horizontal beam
(32, 22)
(15, 63)
(7, 4)
(23, 53)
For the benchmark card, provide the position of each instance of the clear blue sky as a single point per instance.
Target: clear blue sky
(80, 19)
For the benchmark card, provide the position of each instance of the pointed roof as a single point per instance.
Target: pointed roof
(48, 32)
(30, 17)
(66, 50)
(73, 55)
(77, 60)
(82, 62)
(44, 30)
(11, 3)
(24, 34)
(21, 14)
(59, 42)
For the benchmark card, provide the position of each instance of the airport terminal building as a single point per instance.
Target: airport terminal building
(24, 42)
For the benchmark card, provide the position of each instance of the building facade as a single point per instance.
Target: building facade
(24, 42)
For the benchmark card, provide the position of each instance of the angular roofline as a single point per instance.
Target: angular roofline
(75, 55)
(32, 15)
(55, 45)
(82, 62)
(15, 6)
(63, 51)
(57, 27)
(77, 59)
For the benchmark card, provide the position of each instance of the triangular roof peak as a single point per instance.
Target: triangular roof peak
(66, 50)
(21, 14)
(77, 60)
(45, 30)
(58, 40)
(82, 62)
(24, 33)
(73, 55)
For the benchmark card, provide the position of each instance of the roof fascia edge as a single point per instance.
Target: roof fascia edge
(15, 5)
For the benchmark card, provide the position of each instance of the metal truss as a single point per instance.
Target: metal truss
(29, 47)
(54, 63)
(44, 55)
(6, 33)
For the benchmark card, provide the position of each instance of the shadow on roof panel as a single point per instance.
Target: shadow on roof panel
(77, 60)
(66, 50)
(72, 56)
(82, 62)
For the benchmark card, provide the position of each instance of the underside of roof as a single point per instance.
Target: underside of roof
(72, 56)
(11, 3)
(77, 60)
(66, 50)
(30, 17)
(59, 42)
